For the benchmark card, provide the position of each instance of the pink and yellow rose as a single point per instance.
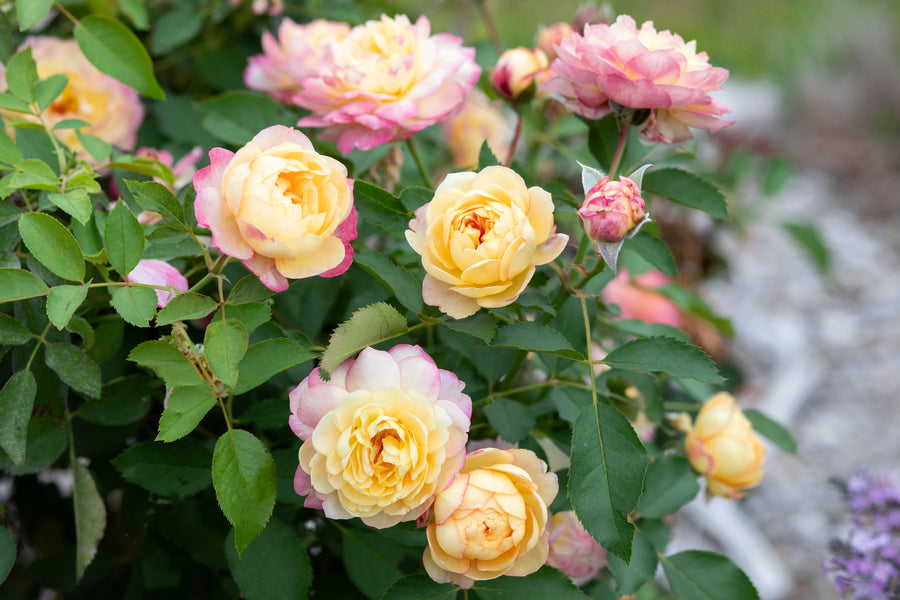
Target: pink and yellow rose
(479, 120)
(515, 72)
(279, 206)
(723, 446)
(492, 520)
(113, 109)
(480, 239)
(289, 59)
(620, 65)
(385, 81)
(381, 437)
(636, 298)
(572, 549)
(161, 274)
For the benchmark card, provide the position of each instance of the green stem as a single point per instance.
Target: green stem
(620, 150)
(41, 340)
(491, 27)
(587, 333)
(515, 140)
(537, 386)
(422, 172)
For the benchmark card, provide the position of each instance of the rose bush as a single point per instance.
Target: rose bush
(278, 205)
(492, 519)
(384, 434)
(481, 238)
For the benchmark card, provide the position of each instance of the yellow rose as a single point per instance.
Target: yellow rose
(480, 238)
(492, 520)
(479, 120)
(113, 109)
(723, 446)
(279, 206)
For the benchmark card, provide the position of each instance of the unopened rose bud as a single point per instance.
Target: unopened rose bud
(724, 447)
(611, 209)
(158, 273)
(515, 72)
(548, 37)
(572, 549)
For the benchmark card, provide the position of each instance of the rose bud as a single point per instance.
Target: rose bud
(158, 273)
(611, 209)
(723, 446)
(515, 72)
(572, 549)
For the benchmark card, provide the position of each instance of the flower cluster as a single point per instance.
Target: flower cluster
(867, 565)
(658, 81)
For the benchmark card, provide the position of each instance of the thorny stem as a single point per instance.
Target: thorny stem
(620, 150)
(422, 172)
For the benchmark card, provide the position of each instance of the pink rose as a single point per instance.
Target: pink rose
(381, 437)
(549, 37)
(516, 70)
(183, 170)
(572, 549)
(279, 206)
(159, 273)
(290, 58)
(113, 109)
(637, 300)
(634, 68)
(611, 209)
(385, 81)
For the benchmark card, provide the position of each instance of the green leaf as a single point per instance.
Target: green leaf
(245, 480)
(634, 574)
(82, 328)
(371, 560)
(10, 102)
(274, 566)
(155, 197)
(184, 307)
(236, 116)
(75, 202)
(603, 136)
(167, 362)
(18, 284)
(654, 251)
(124, 401)
(482, 325)
(534, 337)
(114, 50)
(13, 333)
(52, 245)
(181, 468)
(10, 154)
(7, 553)
(267, 358)
(123, 239)
(136, 305)
(96, 147)
(225, 344)
(665, 354)
(21, 75)
(639, 328)
(249, 289)
(544, 583)
(90, 517)
(34, 174)
(697, 575)
(143, 166)
(75, 368)
(404, 285)
(185, 408)
(174, 28)
(687, 189)
(670, 484)
(16, 402)
(419, 587)
(368, 326)
(252, 315)
(136, 12)
(31, 11)
(49, 89)
(773, 430)
(809, 239)
(486, 157)
(63, 301)
(513, 421)
(70, 124)
(606, 475)
(381, 208)
(44, 443)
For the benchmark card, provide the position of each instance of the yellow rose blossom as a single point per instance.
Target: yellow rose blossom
(724, 447)
(480, 238)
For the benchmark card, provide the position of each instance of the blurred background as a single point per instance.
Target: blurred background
(811, 277)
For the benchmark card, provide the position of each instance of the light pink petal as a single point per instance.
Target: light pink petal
(373, 369)
(346, 232)
(268, 274)
(279, 134)
(211, 210)
(313, 403)
(420, 375)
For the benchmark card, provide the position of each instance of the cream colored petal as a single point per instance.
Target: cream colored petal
(437, 293)
(327, 256)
